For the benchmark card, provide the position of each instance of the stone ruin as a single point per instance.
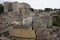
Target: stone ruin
(20, 15)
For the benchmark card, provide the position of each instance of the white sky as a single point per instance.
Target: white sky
(39, 4)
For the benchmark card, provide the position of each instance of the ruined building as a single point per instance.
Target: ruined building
(21, 14)
(18, 12)
(22, 23)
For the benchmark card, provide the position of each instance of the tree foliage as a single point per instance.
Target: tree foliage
(56, 9)
(32, 9)
(48, 9)
(56, 21)
(1, 9)
(40, 10)
(58, 12)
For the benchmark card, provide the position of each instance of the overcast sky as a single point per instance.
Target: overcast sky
(39, 4)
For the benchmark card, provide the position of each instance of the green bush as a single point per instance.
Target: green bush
(56, 21)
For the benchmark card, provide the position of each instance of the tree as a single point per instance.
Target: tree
(32, 9)
(56, 9)
(1, 9)
(58, 12)
(40, 10)
(56, 21)
(48, 9)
